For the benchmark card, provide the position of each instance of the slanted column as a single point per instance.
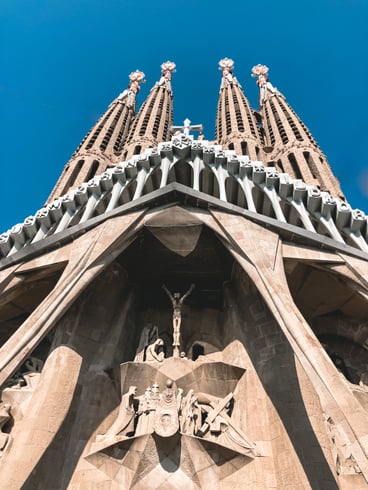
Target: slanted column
(153, 122)
(236, 124)
(290, 145)
(103, 145)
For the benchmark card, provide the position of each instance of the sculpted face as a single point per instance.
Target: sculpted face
(133, 390)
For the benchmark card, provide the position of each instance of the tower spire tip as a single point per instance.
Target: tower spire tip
(136, 77)
(168, 66)
(267, 90)
(226, 65)
(167, 69)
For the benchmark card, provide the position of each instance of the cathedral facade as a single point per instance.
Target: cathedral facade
(185, 313)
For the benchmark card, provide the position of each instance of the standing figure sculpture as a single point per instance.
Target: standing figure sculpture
(177, 303)
(125, 421)
(154, 351)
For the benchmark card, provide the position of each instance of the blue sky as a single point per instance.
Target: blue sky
(64, 61)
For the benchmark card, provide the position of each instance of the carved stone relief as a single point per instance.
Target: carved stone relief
(345, 462)
(27, 376)
(5, 417)
(196, 402)
(19, 389)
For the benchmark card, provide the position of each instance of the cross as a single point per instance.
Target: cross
(186, 128)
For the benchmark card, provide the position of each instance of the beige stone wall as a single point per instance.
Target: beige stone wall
(307, 422)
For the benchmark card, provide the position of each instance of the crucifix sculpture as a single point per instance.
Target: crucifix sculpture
(187, 127)
(177, 303)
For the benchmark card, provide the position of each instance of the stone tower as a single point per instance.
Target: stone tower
(192, 316)
(103, 144)
(153, 122)
(289, 142)
(237, 127)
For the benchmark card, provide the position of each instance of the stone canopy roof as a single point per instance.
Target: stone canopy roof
(206, 171)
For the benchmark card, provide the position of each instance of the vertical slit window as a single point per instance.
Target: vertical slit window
(92, 171)
(73, 176)
(295, 166)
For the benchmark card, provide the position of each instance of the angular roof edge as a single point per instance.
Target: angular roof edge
(217, 176)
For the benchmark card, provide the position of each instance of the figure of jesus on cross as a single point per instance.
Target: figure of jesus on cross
(177, 303)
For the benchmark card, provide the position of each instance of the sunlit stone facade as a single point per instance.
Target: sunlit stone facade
(186, 313)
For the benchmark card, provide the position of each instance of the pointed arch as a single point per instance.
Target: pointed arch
(262, 202)
(153, 181)
(182, 173)
(128, 192)
(92, 170)
(208, 182)
(73, 175)
(234, 193)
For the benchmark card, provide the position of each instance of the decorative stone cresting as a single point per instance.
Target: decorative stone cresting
(258, 188)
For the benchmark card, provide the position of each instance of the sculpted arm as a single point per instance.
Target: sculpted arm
(187, 293)
(168, 293)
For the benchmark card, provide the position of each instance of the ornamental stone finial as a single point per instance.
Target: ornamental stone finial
(136, 77)
(261, 73)
(267, 90)
(166, 69)
(226, 65)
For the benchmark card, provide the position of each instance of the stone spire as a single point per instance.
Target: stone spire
(290, 145)
(236, 123)
(153, 122)
(103, 144)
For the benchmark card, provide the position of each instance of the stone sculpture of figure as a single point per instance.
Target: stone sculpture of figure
(148, 336)
(219, 427)
(34, 367)
(143, 413)
(170, 397)
(28, 375)
(33, 364)
(154, 351)
(167, 413)
(177, 303)
(124, 423)
(4, 418)
(190, 419)
(148, 404)
(154, 401)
